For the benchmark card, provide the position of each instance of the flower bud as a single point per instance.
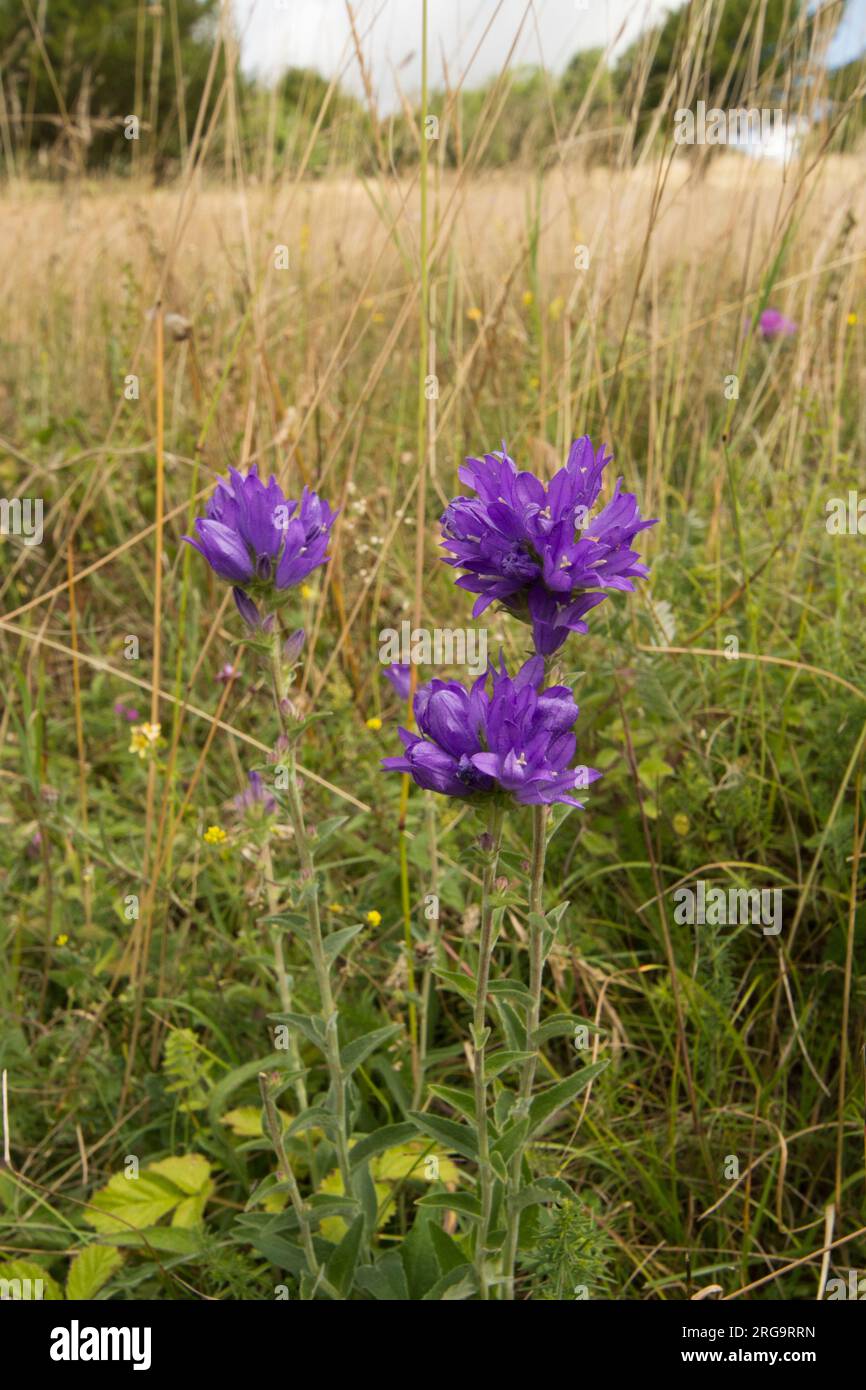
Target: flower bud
(246, 608)
(293, 645)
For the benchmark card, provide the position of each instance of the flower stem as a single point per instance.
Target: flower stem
(533, 1016)
(433, 948)
(272, 1119)
(480, 1034)
(284, 988)
(316, 940)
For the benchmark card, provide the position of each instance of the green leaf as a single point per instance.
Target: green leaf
(385, 1280)
(385, 1138)
(279, 1251)
(314, 1117)
(90, 1269)
(337, 940)
(452, 1135)
(546, 1103)
(653, 770)
(509, 989)
(556, 914)
(168, 1240)
(464, 1202)
(497, 1163)
(456, 980)
(357, 1051)
(327, 829)
(191, 1174)
(177, 1185)
(600, 845)
(278, 1061)
(419, 1258)
(510, 1140)
(340, 1268)
(457, 1097)
(545, 1190)
(448, 1252)
(322, 1205)
(457, 1284)
(559, 1024)
(513, 1027)
(311, 1026)
(18, 1281)
(500, 1061)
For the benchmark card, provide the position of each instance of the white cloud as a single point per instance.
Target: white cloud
(316, 33)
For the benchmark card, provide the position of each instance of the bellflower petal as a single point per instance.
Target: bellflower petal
(504, 736)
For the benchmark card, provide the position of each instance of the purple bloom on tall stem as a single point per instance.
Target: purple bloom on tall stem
(127, 712)
(255, 797)
(400, 677)
(261, 541)
(538, 550)
(774, 324)
(512, 739)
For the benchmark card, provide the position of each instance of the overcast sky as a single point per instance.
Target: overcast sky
(315, 33)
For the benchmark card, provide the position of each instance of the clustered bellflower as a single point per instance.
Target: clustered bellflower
(537, 550)
(504, 735)
(261, 541)
(255, 798)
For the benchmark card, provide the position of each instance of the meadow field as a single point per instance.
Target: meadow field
(361, 335)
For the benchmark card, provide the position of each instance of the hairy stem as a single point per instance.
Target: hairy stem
(286, 1174)
(316, 940)
(533, 1017)
(479, 1039)
(284, 989)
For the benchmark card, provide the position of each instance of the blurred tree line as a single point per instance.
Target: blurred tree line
(72, 73)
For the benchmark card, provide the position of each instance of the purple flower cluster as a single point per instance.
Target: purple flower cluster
(399, 676)
(512, 739)
(259, 540)
(255, 798)
(774, 324)
(538, 550)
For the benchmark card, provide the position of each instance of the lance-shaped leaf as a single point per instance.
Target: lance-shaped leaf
(357, 1051)
(546, 1103)
(311, 1026)
(454, 1136)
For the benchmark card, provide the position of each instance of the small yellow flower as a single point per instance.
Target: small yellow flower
(556, 307)
(307, 591)
(215, 835)
(144, 738)
(681, 823)
(374, 918)
(534, 383)
(528, 298)
(377, 318)
(852, 320)
(336, 907)
(61, 940)
(374, 724)
(474, 314)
